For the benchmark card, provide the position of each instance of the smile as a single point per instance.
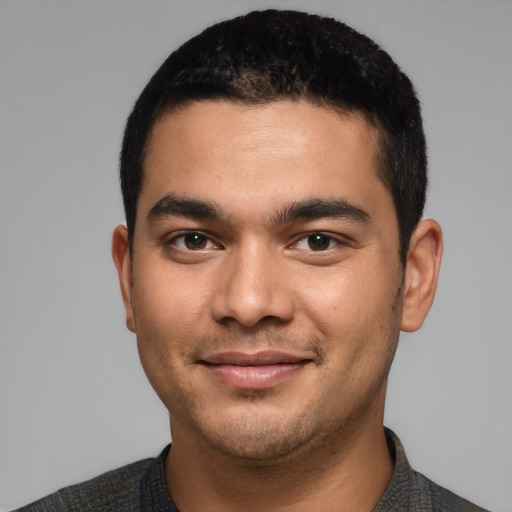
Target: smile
(254, 371)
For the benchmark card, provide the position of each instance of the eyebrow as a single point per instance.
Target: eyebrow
(313, 209)
(172, 205)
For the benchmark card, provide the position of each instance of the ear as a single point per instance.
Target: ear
(123, 262)
(421, 273)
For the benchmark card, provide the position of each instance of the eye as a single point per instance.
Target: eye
(316, 241)
(193, 241)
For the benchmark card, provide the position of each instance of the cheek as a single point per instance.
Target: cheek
(168, 304)
(166, 318)
(355, 310)
(342, 298)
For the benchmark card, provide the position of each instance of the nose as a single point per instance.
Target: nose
(252, 290)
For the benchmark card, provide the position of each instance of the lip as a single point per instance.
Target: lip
(260, 370)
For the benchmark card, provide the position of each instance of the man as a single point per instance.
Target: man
(273, 174)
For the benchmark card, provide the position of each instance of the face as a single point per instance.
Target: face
(265, 286)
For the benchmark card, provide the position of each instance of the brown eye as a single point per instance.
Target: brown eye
(319, 241)
(194, 241)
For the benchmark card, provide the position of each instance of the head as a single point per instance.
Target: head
(273, 173)
(268, 56)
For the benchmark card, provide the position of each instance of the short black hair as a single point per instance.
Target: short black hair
(271, 55)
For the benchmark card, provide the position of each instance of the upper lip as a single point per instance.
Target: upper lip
(266, 357)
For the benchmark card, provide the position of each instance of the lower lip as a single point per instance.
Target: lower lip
(254, 377)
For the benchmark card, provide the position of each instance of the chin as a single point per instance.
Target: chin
(260, 440)
(267, 447)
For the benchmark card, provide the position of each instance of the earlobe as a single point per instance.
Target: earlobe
(421, 273)
(123, 263)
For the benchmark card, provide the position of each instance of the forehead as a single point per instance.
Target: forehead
(300, 118)
(247, 152)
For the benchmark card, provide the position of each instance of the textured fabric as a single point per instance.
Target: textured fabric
(138, 487)
(141, 487)
(410, 491)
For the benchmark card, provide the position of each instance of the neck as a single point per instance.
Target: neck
(350, 473)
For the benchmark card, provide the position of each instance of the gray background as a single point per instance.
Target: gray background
(73, 399)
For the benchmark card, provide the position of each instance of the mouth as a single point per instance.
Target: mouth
(254, 371)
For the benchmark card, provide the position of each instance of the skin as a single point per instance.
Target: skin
(225, 262)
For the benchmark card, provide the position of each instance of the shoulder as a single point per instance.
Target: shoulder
(434, 497)
(410, 490)
(119, 489)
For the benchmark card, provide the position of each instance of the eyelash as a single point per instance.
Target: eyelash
(322, 240)
(191, 233)
(319, 236)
